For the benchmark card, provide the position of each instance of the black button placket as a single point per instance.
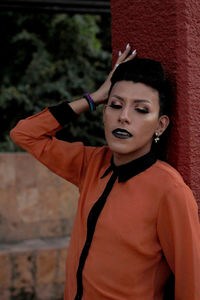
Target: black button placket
(91, 224)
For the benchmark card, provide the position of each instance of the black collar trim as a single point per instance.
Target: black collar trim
(131, 169)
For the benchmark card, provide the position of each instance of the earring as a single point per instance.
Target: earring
(156, 139)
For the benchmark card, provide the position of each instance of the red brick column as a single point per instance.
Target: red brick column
(169, 31)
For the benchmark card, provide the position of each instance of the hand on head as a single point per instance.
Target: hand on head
(101, 94)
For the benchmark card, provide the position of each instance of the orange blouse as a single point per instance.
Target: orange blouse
(148, 226)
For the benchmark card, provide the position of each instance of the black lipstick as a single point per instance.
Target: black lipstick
(121, 133)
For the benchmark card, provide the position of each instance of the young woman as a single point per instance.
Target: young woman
(136, 221)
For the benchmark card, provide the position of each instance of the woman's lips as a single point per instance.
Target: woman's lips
(121, 133)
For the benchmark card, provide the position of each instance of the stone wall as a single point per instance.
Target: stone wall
(36, 215)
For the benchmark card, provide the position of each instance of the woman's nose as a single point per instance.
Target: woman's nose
(124, 116)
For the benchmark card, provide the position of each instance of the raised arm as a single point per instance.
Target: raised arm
(36, 134)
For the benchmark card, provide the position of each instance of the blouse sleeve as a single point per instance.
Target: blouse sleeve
(36, 135)
(179, 234)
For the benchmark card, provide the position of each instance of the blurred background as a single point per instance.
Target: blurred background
(48, 57)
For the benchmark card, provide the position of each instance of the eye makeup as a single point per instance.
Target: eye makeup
(115, 105)
(143, 110)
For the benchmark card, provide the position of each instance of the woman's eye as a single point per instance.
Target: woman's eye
(116, 106)
(142, 110)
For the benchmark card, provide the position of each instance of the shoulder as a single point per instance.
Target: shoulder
(102, 153)
(166, 174)
(172, 186)
(168, 181)
(100, 158)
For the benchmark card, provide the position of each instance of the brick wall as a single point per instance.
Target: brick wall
(36, 216)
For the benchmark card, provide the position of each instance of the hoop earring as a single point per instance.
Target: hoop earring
(156, 139)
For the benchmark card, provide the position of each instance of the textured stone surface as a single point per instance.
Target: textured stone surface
(169, 31)
(22, 270)
(34, 202)
(46, 267)
(33, 269)
(5, 271)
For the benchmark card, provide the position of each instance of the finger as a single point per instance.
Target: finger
(131, 56)
(124, 54)
(127, 58)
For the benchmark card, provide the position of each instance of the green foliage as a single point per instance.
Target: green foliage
(47, 58)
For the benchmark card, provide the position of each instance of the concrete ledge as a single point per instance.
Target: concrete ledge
(34, 245)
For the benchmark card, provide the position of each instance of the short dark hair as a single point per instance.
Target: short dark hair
(149, 72)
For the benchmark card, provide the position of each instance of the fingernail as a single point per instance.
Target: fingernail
(127, 46)
(120, 53)
(134, 52)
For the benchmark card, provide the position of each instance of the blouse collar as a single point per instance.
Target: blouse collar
(132, 168)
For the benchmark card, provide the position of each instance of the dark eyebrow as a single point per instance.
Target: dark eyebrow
(136, 100)
(118, 97)
(142, 100)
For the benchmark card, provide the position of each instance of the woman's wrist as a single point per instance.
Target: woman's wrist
(98, 98)
(90, 102)
(82, 105)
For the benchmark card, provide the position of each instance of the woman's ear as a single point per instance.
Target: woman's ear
(163, 124)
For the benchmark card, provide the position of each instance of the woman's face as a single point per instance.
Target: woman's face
(131, 118)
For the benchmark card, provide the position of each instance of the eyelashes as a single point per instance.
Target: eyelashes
(142, 110)
(116, 106)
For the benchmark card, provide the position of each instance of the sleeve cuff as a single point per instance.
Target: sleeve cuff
(63, 113)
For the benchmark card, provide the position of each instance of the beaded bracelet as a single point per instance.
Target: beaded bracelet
(90, 102)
